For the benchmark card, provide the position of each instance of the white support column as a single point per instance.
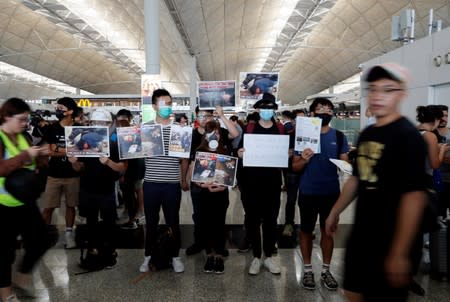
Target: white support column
(193, 84)
(152, 42)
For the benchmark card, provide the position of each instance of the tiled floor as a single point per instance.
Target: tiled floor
(56, 279)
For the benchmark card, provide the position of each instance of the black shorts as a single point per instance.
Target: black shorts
(363, 274)
(313, 205)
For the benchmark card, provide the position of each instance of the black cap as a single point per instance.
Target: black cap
(267, 101)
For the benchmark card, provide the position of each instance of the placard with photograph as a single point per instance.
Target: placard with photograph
(180, 141)
(215, 168)
(130, 142)
(152, 140)
(266, 150)
(307, 133)
(87, 141)
(216, 93)
(252, 85)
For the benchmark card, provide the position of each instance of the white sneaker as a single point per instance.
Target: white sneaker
(272, 265)
(178, 266)
(70, 241)
(144, 266)
(255, 266)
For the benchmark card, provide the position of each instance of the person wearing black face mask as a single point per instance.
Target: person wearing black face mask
(61, 176)
(319, 187)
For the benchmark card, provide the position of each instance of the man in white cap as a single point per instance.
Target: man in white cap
(97, 194)
(389, 179)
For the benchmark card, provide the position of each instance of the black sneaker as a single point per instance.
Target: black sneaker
(131, 225)
(245, 247)
(416, 288)
(209, 265)
(308, 281)
(194, 249)
(111, 261)
(329, 281)
(219, 267)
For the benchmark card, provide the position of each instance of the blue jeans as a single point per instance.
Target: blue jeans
(167, 196)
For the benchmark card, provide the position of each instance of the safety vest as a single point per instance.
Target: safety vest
(10, 150)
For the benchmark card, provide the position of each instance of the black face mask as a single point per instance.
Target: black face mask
(326, 118)
(59, 114)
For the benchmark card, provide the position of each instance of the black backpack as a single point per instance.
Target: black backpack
(163, 250)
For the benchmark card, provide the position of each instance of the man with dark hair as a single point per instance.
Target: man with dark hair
(319, 190)
(62, 178)
(390, 182)
(164, 179)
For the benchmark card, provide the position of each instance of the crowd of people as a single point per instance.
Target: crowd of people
(400, 170)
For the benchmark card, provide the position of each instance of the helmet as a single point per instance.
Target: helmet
(101, 115)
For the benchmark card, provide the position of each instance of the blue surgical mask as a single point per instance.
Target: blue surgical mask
(266, 114)
(165, 111)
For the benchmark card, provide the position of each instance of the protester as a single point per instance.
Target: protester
(389, 180)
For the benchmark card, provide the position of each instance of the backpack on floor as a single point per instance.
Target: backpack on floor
(163, 250)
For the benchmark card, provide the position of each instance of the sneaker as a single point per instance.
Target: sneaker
(178, 266)
(245, 247)
(209, 265)
(111, 261)
(288, 230)
(416, 288)
(130, 225)
(329, 281)
(144, 266)
(219, 266)
(308, 280)
(70, 241)
(255, 266)
(194, 249)
(140, 220)
(272, 265)
(12, 298)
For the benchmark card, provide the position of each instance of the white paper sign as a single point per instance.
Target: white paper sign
(265, 150)
(307, 133)
(343, 165)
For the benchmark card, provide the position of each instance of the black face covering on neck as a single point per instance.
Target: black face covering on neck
(326, 118)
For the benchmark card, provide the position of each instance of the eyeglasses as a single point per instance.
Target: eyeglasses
(22, 119)
(204, 116)
(382, 90)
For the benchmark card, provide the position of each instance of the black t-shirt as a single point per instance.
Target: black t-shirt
(390, 162)
(97, 177)
(197, 140)
(257, 176)
(59, 166)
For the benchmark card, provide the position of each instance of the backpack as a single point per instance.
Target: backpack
(163, 250)
(97, 258)
(251, 127)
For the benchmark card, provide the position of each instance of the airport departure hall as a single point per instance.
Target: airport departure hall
(224, 150)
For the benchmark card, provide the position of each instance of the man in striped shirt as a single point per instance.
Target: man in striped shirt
(164, 179)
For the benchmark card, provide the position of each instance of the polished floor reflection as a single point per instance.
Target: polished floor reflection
(57, 279)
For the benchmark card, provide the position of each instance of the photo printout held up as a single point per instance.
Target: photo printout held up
(266, 150)
(216, 93)
(307, 133)
(214, 168)
(87, 141)
(180, 141)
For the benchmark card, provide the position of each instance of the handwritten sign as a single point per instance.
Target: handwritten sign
(307, 133)
(264, 150)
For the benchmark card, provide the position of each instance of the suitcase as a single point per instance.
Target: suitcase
(439, 251)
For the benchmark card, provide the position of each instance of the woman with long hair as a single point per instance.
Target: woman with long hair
(18, 216)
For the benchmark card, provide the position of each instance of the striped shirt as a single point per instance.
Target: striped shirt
(162, 169)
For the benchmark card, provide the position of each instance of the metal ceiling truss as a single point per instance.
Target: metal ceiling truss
(304, 17)
(72, 24)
